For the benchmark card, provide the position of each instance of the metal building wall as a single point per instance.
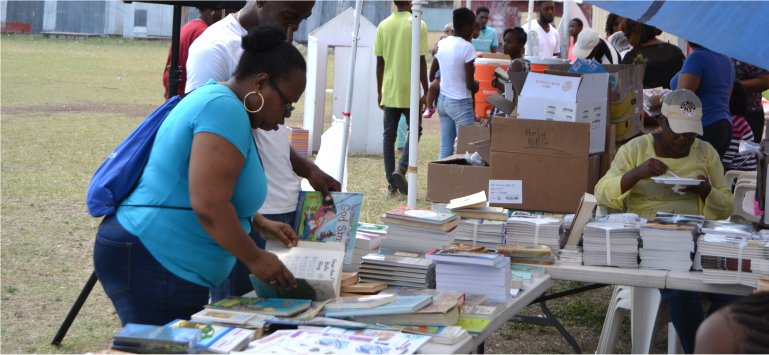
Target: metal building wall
(29, 12)
(81, 16)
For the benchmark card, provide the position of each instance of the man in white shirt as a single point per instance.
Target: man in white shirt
(215, 55)
(549, 42)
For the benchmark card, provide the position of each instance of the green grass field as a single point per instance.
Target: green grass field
(65, 106)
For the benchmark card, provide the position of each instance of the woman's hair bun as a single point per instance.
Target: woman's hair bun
(263, 38)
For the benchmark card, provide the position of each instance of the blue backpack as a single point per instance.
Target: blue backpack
(117, 177)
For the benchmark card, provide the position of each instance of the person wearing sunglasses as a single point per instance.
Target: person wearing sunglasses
(179, 233)
(215, 55)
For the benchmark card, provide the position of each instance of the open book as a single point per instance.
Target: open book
(315, 265)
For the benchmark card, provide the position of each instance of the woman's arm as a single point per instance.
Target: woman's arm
(215, 166)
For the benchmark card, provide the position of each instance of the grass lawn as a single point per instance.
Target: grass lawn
(65, 106)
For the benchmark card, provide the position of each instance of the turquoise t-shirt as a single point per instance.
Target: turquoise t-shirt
(173, 236)
(486, 40)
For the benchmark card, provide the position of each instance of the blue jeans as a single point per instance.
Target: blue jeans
(141, 289)
(392, 117)
(686, 313)
(238, 283)
(453, 113)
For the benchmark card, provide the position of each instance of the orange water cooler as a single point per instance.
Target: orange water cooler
(484, 73)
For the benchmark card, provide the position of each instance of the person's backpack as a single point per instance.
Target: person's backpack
(119, 174)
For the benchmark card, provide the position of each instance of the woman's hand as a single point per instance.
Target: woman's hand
(649, 168)
(268, 268)
(275, 230)
(703, 189)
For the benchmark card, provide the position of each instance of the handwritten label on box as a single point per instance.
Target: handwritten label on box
(506, 191)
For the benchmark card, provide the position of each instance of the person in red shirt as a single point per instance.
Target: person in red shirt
(189, 33)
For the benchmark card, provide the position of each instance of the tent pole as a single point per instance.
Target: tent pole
(529, 45)
(565, 38)
(346, 116)
(416, 31)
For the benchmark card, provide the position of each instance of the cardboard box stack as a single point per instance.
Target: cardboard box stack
(453, 177)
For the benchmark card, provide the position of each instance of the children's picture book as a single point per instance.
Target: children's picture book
(216, 339)
(316, 222)
(281, 307)
(147, 338)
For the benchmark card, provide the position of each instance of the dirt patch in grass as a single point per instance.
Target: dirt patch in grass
(84, 107)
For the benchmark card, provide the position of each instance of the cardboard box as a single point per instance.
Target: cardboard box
(568, 98)
(626, 98)
(451, 177)
(540, 165)
(470, 134)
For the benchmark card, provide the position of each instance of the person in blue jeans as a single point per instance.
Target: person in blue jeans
(180, 231)
(456, 61)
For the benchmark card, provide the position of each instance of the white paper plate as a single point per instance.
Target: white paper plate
(675, 181)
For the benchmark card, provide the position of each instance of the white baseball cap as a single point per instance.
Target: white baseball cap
(683, 110)
(586, 41)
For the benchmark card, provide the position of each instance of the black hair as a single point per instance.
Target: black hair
(463, 17)
(578, 21)
(518, 33)
(539, 3)
(482, 9)
(751, 313)
(609, 28)
(738, 102)
(644, 32)
(265, 50)
(400, 4)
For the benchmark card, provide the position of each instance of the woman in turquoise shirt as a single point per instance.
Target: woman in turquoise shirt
(179, 232)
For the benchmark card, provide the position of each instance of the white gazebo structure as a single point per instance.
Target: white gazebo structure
(366, 124)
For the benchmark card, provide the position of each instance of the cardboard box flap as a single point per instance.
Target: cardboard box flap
(543, 85)
(540, 137)
(483, 148)
(596, 81)
(468, 134)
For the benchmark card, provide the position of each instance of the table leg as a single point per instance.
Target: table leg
(481, 349)
(643, 314)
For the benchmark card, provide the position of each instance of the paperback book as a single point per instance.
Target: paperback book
(401, 304)
(217, 339)
(316, 222)
(267, 306)
(146, 339)
(318, 264)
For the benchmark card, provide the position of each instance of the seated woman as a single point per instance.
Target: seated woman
(627, 185)
(674, 150)
(179, 232)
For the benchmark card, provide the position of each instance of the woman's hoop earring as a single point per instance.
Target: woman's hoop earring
(245, 106)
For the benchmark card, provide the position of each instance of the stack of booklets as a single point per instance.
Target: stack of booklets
(571, 255)
(667, 246)
(341, 341)
(368, 239)
(350, 307)
(534, 230)
(217, 339)
(299, 139)
(610, 244)
(486, 274)
(418, 231)
(533, 254)
(443, 311)
(155, 339)
(483, 232)
(397, 270)
(733, 259)
(231, 318)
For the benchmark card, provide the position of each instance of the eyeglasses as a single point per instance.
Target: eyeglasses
(288, 106)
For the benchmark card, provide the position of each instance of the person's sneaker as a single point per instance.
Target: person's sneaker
(392, 191)
(429, 112)
(400, 182)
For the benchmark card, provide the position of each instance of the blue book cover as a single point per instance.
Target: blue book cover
(315, 222)
(145, 334)
(401, 305)
(272, 306)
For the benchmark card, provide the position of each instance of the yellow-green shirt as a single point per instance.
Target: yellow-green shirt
(647, 197)
(393, 44)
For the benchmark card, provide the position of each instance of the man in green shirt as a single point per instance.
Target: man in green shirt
(393, 73)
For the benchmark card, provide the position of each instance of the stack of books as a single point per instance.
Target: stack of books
(280, 307)
(733, 259)
(299, 139)
(610, 244)
(368, 239)
(476, 206)
(418, 231)
(376, 305)
(397, 270)
(534, 254)
(217, 339)
(667, 246)
(443, 311)
(486, 274)
(534, 230)
(231, 318)
(149, 339)
(483, 232)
